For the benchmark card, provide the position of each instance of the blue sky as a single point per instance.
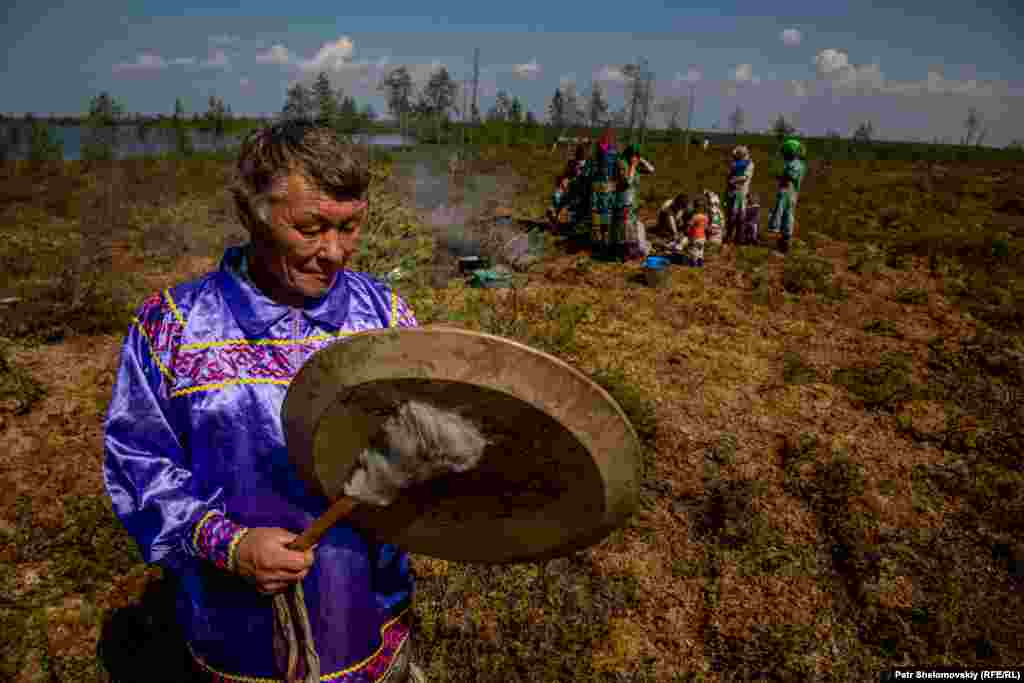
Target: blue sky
(913, 70)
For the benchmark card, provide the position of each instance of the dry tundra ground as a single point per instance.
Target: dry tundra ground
(832, 474)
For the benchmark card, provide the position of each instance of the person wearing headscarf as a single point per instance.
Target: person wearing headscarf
(577, 170)
(628, 233)
(716, 223)
(741, 173)
(783, 216)
(196, 464)
(602, 191)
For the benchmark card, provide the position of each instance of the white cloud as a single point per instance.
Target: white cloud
(245, 82)
(277, 54)
(797, 88)
(219, 60)
(791, 37)
(224, 39)
(744, 73)
(610, 73)
(835, 66)
(144, 62)
(830, 61)
(332, 56)
(937, 84)
(183, 61)
(528, 71)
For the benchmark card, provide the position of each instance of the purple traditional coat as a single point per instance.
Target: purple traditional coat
(195, 453)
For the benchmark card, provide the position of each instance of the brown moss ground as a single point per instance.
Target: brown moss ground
(813, 505)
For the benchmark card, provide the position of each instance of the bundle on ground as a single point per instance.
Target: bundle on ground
(423, 442)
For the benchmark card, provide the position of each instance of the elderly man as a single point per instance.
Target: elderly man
(196, 463)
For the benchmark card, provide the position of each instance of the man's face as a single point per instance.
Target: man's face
(310, 238)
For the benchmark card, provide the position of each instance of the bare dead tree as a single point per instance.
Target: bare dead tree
(647, 98)
(736, 120)
(672, 108)
(972, 124)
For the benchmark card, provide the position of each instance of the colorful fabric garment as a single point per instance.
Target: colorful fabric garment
(637, 245)
(559, 199)
(783, 216)
(716, 221)
(602, 195)
(736, 207)
(627, 183)
(697, 229)
(750, 225)
(696, 247)
(576, 168)
(792, 174)
(195, 454)
(741, 173)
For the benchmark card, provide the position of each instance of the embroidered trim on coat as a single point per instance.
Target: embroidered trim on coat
(371, 670)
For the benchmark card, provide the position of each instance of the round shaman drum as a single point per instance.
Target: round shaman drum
(560, 472)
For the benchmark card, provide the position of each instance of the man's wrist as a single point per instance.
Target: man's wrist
(216, 539)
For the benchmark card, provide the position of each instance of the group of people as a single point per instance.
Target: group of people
(604, 189)
(703, 218)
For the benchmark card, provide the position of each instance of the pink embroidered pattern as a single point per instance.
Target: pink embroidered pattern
(405, 314)
(370, 670)
(221, 364)
(379, 663)
(209, 365)
(216, 537)
(164, 332)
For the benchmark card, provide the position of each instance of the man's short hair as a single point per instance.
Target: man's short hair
(271, 154)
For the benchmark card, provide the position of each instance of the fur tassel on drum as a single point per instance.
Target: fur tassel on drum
(423, 443)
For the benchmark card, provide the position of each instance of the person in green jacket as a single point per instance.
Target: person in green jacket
(783, 216)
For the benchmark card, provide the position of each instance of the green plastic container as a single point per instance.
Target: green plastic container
(490, 279)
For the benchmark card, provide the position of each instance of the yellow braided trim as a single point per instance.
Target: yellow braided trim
(326, 678)
(174, 307)
(233, 548)
(394, 309)
(152, 350)
(196, 346)
(199, 527)
(229, 383)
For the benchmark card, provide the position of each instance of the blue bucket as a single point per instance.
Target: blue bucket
(656, 262)
(656, 271)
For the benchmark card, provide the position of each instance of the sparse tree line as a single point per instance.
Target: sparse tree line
(327, 106)
(430, 113)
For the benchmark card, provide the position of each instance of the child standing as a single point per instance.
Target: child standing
(697, 232)
(716, 223)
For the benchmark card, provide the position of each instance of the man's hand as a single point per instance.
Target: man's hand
(264, 559)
